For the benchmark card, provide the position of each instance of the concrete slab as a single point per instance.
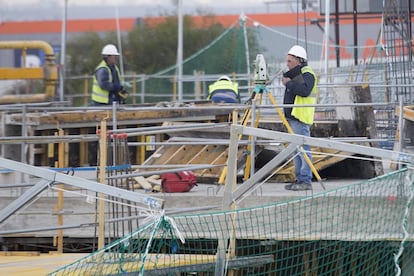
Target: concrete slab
(269, 192)
(79, 208)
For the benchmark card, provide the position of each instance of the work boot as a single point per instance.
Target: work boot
(301, 187)
(289, 186)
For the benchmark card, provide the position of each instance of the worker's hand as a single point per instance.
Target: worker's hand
(285, 80)
(123, 94)
(249, 100)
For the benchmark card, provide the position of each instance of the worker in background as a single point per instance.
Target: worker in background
(224, 91)
(300, 83)
(107, 86)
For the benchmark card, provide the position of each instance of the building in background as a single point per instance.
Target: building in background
(276, 33)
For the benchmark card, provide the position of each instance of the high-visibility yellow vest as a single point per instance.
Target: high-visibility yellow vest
(305, 114)
(223, 85)
(98, 94)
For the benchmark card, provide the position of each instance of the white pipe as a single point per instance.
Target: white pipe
(327, 23)
(63, 51)
(246, 46)
(180, 51)
(118, 35)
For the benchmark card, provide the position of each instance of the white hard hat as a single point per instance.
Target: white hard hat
(110, 50)
(298, 51)
(224, 78)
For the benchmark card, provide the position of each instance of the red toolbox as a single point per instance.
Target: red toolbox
(178, 182)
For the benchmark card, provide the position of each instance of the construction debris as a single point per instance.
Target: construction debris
(151, 183)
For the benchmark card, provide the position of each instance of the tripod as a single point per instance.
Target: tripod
(260, 88)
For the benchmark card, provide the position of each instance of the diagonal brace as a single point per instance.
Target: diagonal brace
(25, 198)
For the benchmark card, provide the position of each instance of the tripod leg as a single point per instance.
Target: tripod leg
(249, 146)
(245, 119)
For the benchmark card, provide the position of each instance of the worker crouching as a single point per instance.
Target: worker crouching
(224, 91)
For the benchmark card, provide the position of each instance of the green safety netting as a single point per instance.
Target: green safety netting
(361, 229)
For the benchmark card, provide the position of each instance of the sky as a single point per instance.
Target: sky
(20, 10)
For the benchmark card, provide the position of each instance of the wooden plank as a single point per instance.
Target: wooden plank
(143, 182)
(409, 113)
(197, 156)
(166, 264)
(153, 181)
(221, 158)
(233, 263)
(35, 265)
(153, 115)
(159, 156)
(208, 155)
(190, 152)
(30, 98)
(83, 149)
(19, 253)
(174, 156)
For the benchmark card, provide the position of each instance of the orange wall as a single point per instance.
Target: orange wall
(126, 24)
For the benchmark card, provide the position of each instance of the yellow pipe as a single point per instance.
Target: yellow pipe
(23, 44)
(50, 73)
(21, 73)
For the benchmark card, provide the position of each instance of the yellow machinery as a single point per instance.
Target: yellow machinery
(48, 72)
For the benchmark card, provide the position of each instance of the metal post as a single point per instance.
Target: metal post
(180, 51)
(327, 14)
(23, 151)
(246, 46)
(400, 130)
(337, 40)
(118, 36)
(23, 158)
(355, 11)
(114, 128)
(63, 52)
(230, 186)
(59, 207)
(253, 138)
(142, 88)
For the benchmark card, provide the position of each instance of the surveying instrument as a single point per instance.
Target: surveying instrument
(261, 80)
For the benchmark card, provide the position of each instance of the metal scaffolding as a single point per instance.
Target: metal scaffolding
(396, 39)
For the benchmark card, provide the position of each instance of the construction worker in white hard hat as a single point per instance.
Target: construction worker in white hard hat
(300, 82)
(107, 86)
(224, 91)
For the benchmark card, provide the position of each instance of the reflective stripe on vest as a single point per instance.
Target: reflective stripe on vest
(223, 85)
(306, 114)
(98, 94)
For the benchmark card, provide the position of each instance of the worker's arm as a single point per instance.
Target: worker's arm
(303, 87)
(102, 75)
